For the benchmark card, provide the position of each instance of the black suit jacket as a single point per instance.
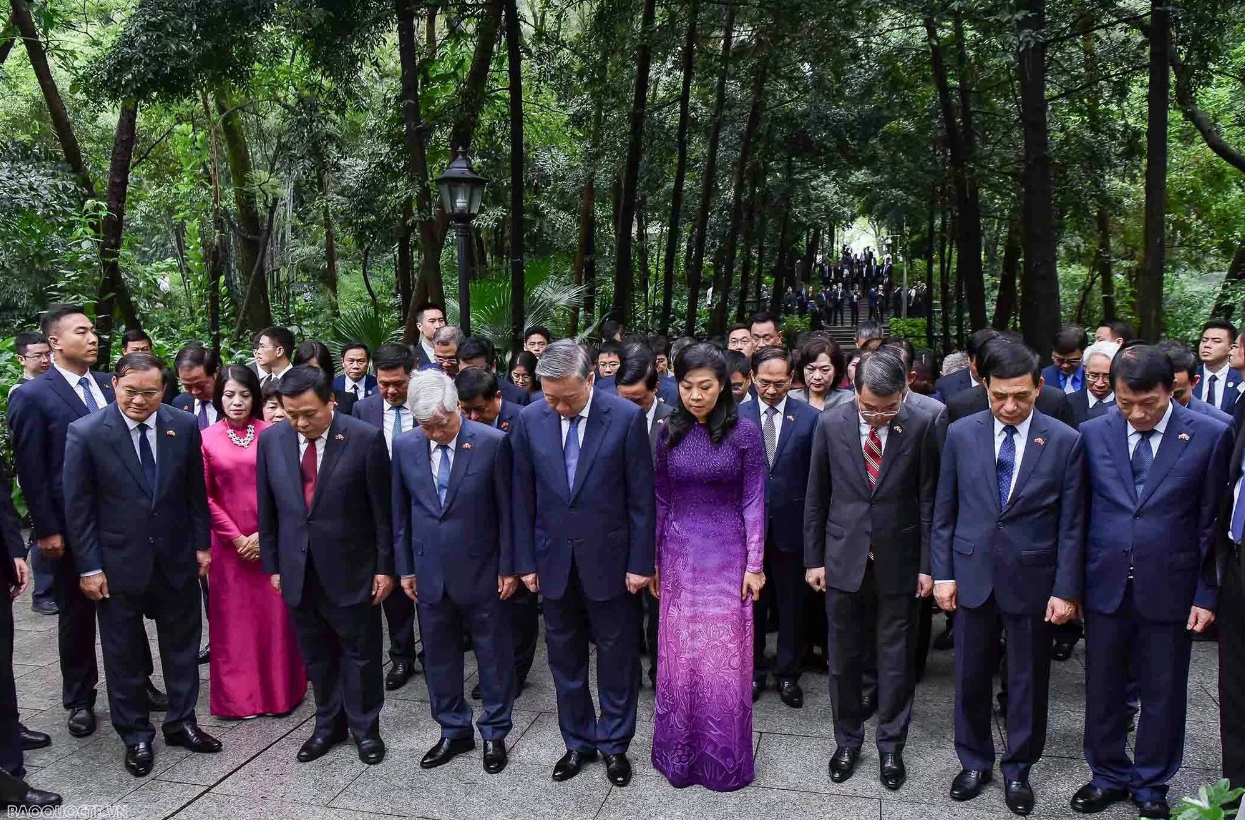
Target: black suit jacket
(347, 532)
(1051, 401)
(1081, 411)
(119, 524)
(10, 535)
(512, 393)
(1223, 524)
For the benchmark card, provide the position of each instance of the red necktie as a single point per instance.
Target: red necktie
(873, 456)
(309, 471)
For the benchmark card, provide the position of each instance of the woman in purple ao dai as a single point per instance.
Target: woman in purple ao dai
(710, 483)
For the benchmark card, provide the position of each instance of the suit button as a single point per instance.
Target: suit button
(151, 540)
(1000, 525)
(1136, 516)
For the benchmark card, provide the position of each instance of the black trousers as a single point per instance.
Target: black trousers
(75, 633)
(894, 621)
(1232, 672)
(123, 639)
(523, 612)
(10, 744)
(784, 588)
(341, 647)
(400, 617)
(650, 625)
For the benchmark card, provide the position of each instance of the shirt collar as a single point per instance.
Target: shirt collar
(583, 414)
(1222, 373)
(650, 413)
(72, 377)
(1022, 429)
(1095, 401)
(1159, 428)
(349, 382)
(779, 408)
(452, 446)
(132, 424)
(287, 369)
(324, 437)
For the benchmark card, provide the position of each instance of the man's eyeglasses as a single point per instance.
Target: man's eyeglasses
(37, 357)
(884, 415)
(1097, 377)
(145, 395)
(1062, 360)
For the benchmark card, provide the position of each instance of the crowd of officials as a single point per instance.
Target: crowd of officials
(676, 503)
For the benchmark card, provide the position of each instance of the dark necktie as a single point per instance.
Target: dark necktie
(355, 390)
(443, 473)
(146, 457)
(1006, 465)
(309, 470)
(203, 416)
(873, 456)
(770, 433)
(1210, 392)
(570, 450)
(1143, 457)
(88, 398)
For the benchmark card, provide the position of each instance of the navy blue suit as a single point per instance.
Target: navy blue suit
(456, 554)
(583, 540)
(521, 608)
(369, 385)
(1007, 562)
(668, 390)
(952, 383)
(39, 415)
(1225, 394)
(785, 486)
(1149, 560)
(1199, 406)
(512, 393)
(1052, 374)
(11, 546)
(143, 535)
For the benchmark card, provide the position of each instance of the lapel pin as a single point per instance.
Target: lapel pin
(505, 425)
(661, 421)
(339, 437)
(169, 433)
(1039, 441)
(1183, 436)
(790, 418)
(897, 429)
(467, 445)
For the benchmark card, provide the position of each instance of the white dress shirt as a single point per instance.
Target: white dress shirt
(408, 422)
(351, 385)
(435, 455)
(134, 434)
(649, 415)
(1236, 497)
(1134, 436)
(1221, 383)
(583, 421)
(780, 409)
(1093, 400)
(321, 443)
(1019, 440)
(428, 351)
(74, 378)
(211, 411)
(264, 377)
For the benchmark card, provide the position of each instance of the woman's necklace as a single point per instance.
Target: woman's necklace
(241, 441)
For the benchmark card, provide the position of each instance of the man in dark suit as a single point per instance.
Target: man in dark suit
(39, 415)
(1096, 397)
(454, 554)
(787, 428)
(429, 318)
(137, 515)
(136, 340)
(1229, 535)
(1219, 383)
(1007, 550)
(866, 545)
(355, 380)
(478, 351)
(387, 410)
(1155, 471)
(1187, 380)
(1067, 370)
(325, 539)
(585, 531)
(273, 347)
(953, 383)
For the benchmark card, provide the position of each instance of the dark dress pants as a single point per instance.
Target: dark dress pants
(894, 618)
(1028, 687)
(1157, 656)
(123, 639)
(784, 590)
(1232, 671)
(400, 618)
(75, 632)
(341, 647)
(44, 570)
(612, 624)
(649, 628)
(10, 743)
(492, 640)
(522, 612)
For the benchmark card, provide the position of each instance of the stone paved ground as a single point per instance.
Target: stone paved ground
(256, 775)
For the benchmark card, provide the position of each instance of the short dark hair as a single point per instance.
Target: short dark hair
(303, 378)
(761, 318)
(197, 354)
(27, 338)
(977, 339)
(903, 347)
(316, 351)
(869, 330)
(1221, 324)
(608, 347)
(269, 391)
(349, 346)
(538, 330)
(395, 354)
(660, 344)
(637, 366)
(424, 308)
(280, 336)
(246, 377)
(55, 313)
(1119, 330)
(134, 334)
(478, 347)
(1008, 360)
(1182, 358)
(474, 382)
(1069, 339)
(818, 344)
(609, 329)
(1142, 367)
(139, 362)
(770, 353)
(738, 326)
(737, 362)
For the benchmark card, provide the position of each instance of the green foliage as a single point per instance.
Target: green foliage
(360, 323)
(793, 326)
(550, 296)
(1212, 802)
(911, 329)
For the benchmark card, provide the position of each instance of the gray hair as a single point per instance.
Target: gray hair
(883, 372)
(448, 334)
(432, 394)
(564, 359)
(1108, 349)
(954, 361)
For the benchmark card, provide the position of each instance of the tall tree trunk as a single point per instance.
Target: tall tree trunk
(114, 225)
(784, 240)
(934, 200)
(810, 254)
(1039, 311)
(404, 268)
(680, 170)
(518, 288)
(762, 233)
(1103, 260)
(328, 279)
(745, 272)
(693, 271)
(1005, 304)
(1150, 274)
(1230, 290)
(624, 266)
(8, 38)
(1102, 254)
(476, 87)
(968, 266)
(250, 233)
(944, 284)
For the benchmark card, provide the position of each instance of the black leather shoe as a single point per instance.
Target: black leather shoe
(892, 771)
(1019, 796)
(758, 686)
(157, 701)
(618, 769)
(1153, 808)
(868, 706)
(371, 750)
(791, 694)
(398, 675)
(476, 694)
(843, 763)
(1089, 799)
(447, 749)
(81, 721)
(945, 639)
(495, 757)
(1061, 650)
(968, 783)
(138, 759)
(318, 746)
(35, 799)
(205, 655)
(44, 608)
(570, 764)
(32, 739)
(191, 737)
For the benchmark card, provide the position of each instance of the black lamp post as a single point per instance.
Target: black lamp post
(462, 191)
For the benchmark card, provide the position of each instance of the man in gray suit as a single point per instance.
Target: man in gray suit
(867, 547)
